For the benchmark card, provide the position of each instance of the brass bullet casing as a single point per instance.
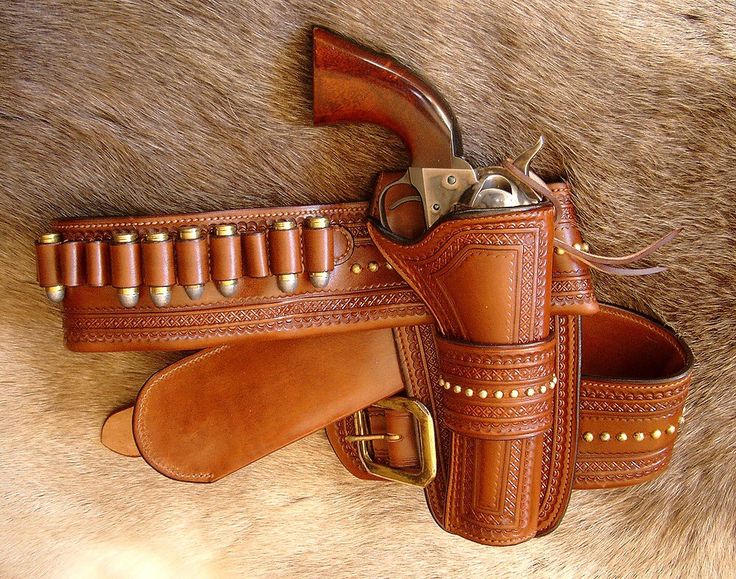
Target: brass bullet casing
(160, 295)
(55, 293)
(227, 287)
(128, 296)
(191, 233)
(319, 279)
(286, 282)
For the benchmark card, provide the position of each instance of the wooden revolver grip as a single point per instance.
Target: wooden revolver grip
(355, 84)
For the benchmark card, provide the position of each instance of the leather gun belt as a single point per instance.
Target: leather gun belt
(285, 307)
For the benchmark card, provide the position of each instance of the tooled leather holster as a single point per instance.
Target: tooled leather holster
(464, 353)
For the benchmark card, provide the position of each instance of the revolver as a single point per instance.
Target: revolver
(355, 84)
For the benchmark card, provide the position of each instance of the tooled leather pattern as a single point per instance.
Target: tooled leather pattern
(421, 262)
(238, 321)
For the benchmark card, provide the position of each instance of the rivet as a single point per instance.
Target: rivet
(681, 420)
(356, 268)
(605, 436)
(555, 379)
(448, 385)
(498, 394)
(468, 392)
(577, 246)
(586, 247)
(372, 266)
(559, 251)
(588, 437)
(638, 436)
(514, 394)
(530, 391)
(542, 388)
(442, 381)
(670, 429)
(622, 437)
(656, 434)
(457, 389)
(389, 266)
(483, 393)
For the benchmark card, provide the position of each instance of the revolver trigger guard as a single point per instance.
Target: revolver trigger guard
(381, 201)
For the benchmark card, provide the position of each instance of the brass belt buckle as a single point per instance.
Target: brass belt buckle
(427, 452)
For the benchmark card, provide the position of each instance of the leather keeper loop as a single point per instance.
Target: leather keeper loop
(285, 251)
(498, 392)
(72, 263)
(125, 262)
(256, 254)
(319, 249)
(97, 259)
(158, 263)
(226, 256)
(48, 269)
(192, 267)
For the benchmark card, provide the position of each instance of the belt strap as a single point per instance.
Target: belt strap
(92, 262)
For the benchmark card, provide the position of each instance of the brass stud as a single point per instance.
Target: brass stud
(586, 247)
(559, 251)
(656, 434)
(530, 391)
(577, 246)
(356, 268)
(670, 429)
(555, 379)
(588, 437)
(638, 436)
(448, 385)
(389, 266)
(514, 394)
(442, 381)
(498, 394)
(622, 437)
(543, 389)
(483, 394)
(468, 392)
(605, 436)
(457, 389)
(372, 266)
(681, 420)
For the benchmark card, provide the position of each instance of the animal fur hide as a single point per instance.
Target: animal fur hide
(110, 108)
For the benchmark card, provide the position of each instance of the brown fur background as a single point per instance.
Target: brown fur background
(130, 108)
